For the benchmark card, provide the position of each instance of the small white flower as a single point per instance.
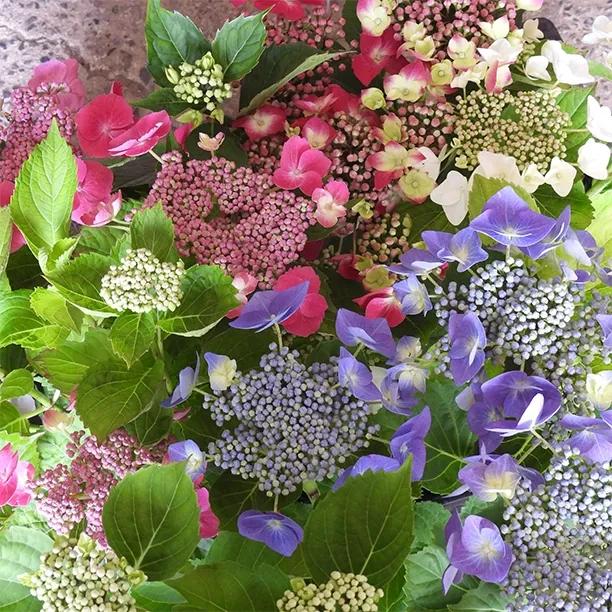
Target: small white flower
(452, 195)
(601, 31)
(594, 158)
(430, 165)
(501, 51)
(532, 178)
(560, 176)
(531, 30)
(537, 68)
(474, 75)
(599, 389)
(570, 68)
(500, 28)
(599, 120)
(497, 165)
(529, 5)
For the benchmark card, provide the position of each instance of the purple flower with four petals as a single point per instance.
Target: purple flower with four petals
(467, 344)
(353, 328)
(464, 247)
(276, 531)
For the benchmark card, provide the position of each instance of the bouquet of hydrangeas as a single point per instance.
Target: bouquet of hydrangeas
(322, 323)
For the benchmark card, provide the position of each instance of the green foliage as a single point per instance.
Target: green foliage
(239, 44)
(494, 511)
(171, 39)
(11, 419)
(51, 306)
(132, 335)
(486, 597)
(483, 189)
(230, 546)
(153, 425)
(20, 552)
(430, 518)
(44, 190)
(427, 216)
(162, 99)
(365, 527)
(574, 102)
(156, 596)
(151, 229)
(602, 221)
(6, 231)
(208, 294)
(553, 205)
(152, 519)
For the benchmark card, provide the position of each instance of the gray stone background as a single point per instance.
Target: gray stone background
(106, 36)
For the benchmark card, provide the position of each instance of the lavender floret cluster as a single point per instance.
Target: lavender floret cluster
(294, 423)
(560, 534)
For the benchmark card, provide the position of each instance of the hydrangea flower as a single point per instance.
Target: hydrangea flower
(142, 136)
(357, 377)
(188, 378)
(353, 328)
(221, 371)
(467, 343)
(367, 463)
(488, 479)
(409, 439)
(594, 435)
(278, 532)
(209, 523)
(412, 295)
(15, 476)
(464, 247)
(188, 451)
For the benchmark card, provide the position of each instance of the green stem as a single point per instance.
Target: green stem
(157, 157)
(279, 336)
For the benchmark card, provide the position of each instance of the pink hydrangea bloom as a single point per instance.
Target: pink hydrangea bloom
(382, 303)
(142, 136)
(265, 121)
(309, 317)
(182, 133)
(98, 122)
(209, 523)
(318, 133)
(289, 9)
(376, 53)
(6, 191)
(15, 476)
(94, 204)
(61, 80)
(244, 284)
(301, 166)
(331, 202)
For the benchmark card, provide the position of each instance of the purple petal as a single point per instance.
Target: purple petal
(416, 261)
(357, 377)
(554, 239)
(275, 530)
(367, 463)
(188, 451)
(605, 321)
(353, 328)
(188, 378)
(412, 295)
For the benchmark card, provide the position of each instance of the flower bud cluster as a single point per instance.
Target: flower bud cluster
(200, 83)
(141, 283)
(560, 538)
(342, 592)
(528, 126)
(81, 575)
(385, 237)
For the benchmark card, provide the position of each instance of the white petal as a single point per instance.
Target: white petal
(599, 120)
(561, 176)
(593, 159)
(537, 68)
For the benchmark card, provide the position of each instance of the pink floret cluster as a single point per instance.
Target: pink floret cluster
(232, 216)
(68, 494)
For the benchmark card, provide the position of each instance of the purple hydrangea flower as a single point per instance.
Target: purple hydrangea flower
(490, 478)
(594, 437)
(416, 261)
(276, 531)
(188, 378)
(475, 548)
(221, 371)
(407, 349)
(581, 245)
(412, 295)
(189, 451)
(508, 220)
(554, 239)
(353, 328)
(398, 388)
(467, 344)
(605, 320)
(464, 247)
(367, 463)
(410, 439)
(357, 377)
(266, 308)
(532, 417)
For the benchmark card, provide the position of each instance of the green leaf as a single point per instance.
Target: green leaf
(151, 229)
(365, 527)
(156, 596)
(230, 546)
(152, 519)
(79, 282)
(423, 587)
(23, 270)
(153, 425)
(238, 45)
(427, 216)
(58, 255)
(230, 587)
(207, 296)
(44, 190)
(6, 232)
(16, 383)
(20, 325)
(602, 221)
(110, 396)
(574, 102)
(494, 511)
(394, 599)
(552, 205)
(162, 99)
(449, 439)
(51, 306)
(100, 240)
(20, 552)
(430, 518)
(172, 39)
(486, 597)
(483, 189)
(277, 66)
(66, 365)
(132, 335)
(11, 420)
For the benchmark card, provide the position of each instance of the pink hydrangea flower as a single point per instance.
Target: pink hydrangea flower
(382, 304)
(318, 133)
(309, 316)
(373, 16)
(265, 121)
(317, 105)
(14, 478)
(331, 202)
(98, 122)
(93, 202)
(142, 136)
(60, 79)
(244, 284)
(209, 523)
(376, 53)
(301, 167)
(182, 133)
(409, 84)
(289, 9)
(6, 191)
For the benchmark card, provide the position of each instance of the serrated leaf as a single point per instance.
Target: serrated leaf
(44, 190)
(449, 440)
(151, 229)
(20, 552)
(110, 396)
(23, 270)
(277, 66)
(574, 102)
(238, 45)
(486, 597)
(427, 216)
(553, 205)
(208, 294)
(6, 232)
(66, 365)
(153, 425)
(494, 511)
(16, 383)
(228, 586)
(132, 335)
(58, 255)
(172, 39)
(51, 306)
(152, 519)
(365, 527)
(11, 420)
(101, 240)
(79, 282)
(602, 221)
(231, 546)
(156, 596)
(162, 99)
(430, 518)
